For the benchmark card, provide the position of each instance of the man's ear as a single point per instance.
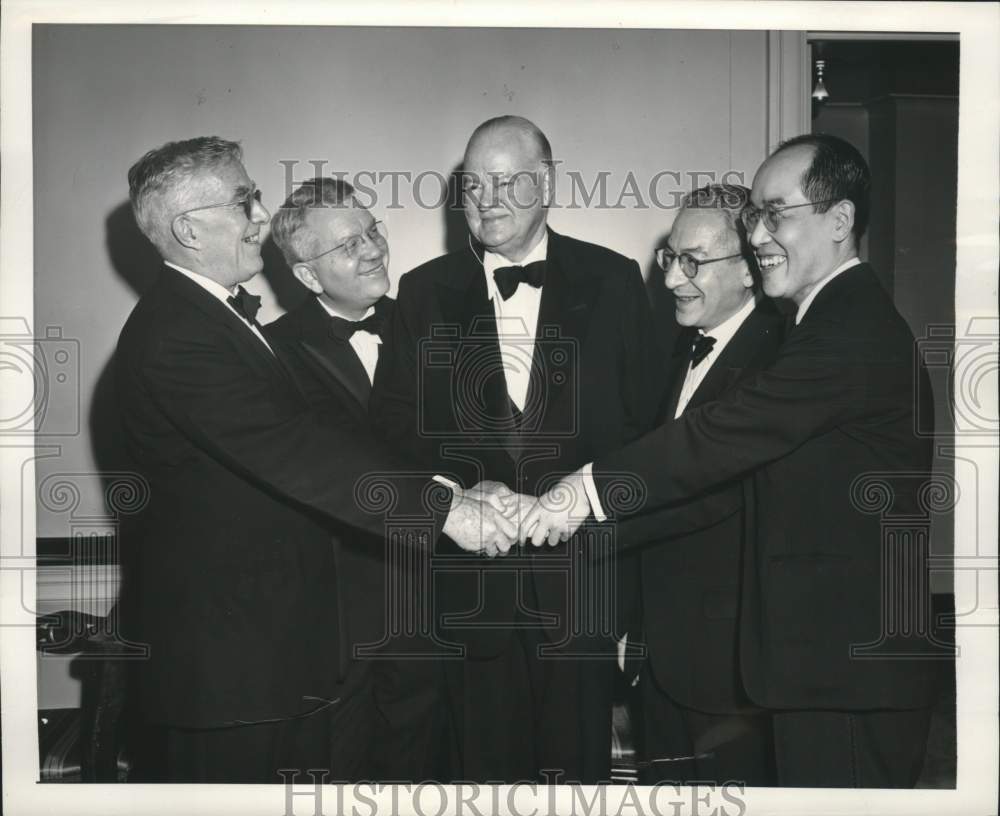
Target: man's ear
(747, 279)
(307, 278)
(843, 220)
(185, 232)
(548, 184)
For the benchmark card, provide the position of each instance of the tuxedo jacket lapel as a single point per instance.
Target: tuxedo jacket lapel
(340, 364)
(740, 351)
(222, 315)
(336, 359)
(677, 367)
(564, 313)
(470, 322)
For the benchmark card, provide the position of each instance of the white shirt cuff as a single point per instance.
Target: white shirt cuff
(591, 489)
(446, 482)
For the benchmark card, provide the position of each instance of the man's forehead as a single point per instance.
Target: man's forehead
(230, 177)
(499, 149)
(699, 228)
(339, 220)
(779, 179)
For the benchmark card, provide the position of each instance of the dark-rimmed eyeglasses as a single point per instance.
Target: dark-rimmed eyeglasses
(376, 234)
(246, 202)
(665, 258)
(770, 214)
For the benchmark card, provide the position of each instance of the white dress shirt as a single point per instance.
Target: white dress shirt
(722, 333)
(221, 293)
(587, 470)
(364, 343)
(805, 304)
(517, 321)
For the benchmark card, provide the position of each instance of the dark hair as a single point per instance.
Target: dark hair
(162, 170)
(839, 172)
(729, 200)
(322, 191)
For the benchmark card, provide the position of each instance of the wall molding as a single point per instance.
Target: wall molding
(787, 83)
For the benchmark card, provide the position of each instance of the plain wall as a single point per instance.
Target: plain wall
(375, 99)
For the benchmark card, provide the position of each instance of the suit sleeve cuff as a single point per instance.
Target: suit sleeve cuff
(591, 489)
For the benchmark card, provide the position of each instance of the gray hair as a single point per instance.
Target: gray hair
(730, 200)
(156, 182)
(286, 226)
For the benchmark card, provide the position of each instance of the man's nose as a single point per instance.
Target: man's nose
(259, 213)
(760, 234)
(372, 247)
(674, 276)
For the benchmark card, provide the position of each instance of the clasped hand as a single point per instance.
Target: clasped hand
(490, 518)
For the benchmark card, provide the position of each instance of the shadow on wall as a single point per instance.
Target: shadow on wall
(136, 261)
(665, 328)
(287, 290)
(133, 257)
(456, 230)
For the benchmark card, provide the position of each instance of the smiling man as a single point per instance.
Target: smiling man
(825, 646)
(338, 251)
(698, 722)
(516, 360)
(227, 579)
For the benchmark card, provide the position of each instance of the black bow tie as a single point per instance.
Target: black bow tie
(701, 348)
(508, 278)
(245, 304)
(344, 329)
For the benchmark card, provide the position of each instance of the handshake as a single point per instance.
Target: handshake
(490, 518)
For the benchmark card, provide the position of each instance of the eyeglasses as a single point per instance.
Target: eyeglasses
(770, 214)
(252, 197)
(376, 234)
(689, 264)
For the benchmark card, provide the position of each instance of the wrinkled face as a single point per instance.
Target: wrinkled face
(720, 289)
(506, 190)
(229, 242)
(802, 250)
(350, 282)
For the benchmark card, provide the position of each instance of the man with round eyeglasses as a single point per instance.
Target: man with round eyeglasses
(228, 573)
(338, 251)
(835, 639)
(698, 723)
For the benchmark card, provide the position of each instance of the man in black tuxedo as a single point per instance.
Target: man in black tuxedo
(693, 701)
(229, 575)
(825, 429)
(516, 360)
(340, 253)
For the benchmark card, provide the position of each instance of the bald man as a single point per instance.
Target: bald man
(515, 360)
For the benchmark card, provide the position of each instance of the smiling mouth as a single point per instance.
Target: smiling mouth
(372, 272)
(252, 239)
(770, 261)
(685, 299)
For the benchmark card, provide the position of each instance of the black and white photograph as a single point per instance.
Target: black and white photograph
(551, 408)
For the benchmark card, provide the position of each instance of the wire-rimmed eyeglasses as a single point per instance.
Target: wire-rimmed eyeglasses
(376, 234)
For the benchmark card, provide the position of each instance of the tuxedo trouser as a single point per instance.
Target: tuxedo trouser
(330, 741)
(413, 737)
(850, 749)
(857, 749)
(525, 716)
(390, 723)
(683, 745)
